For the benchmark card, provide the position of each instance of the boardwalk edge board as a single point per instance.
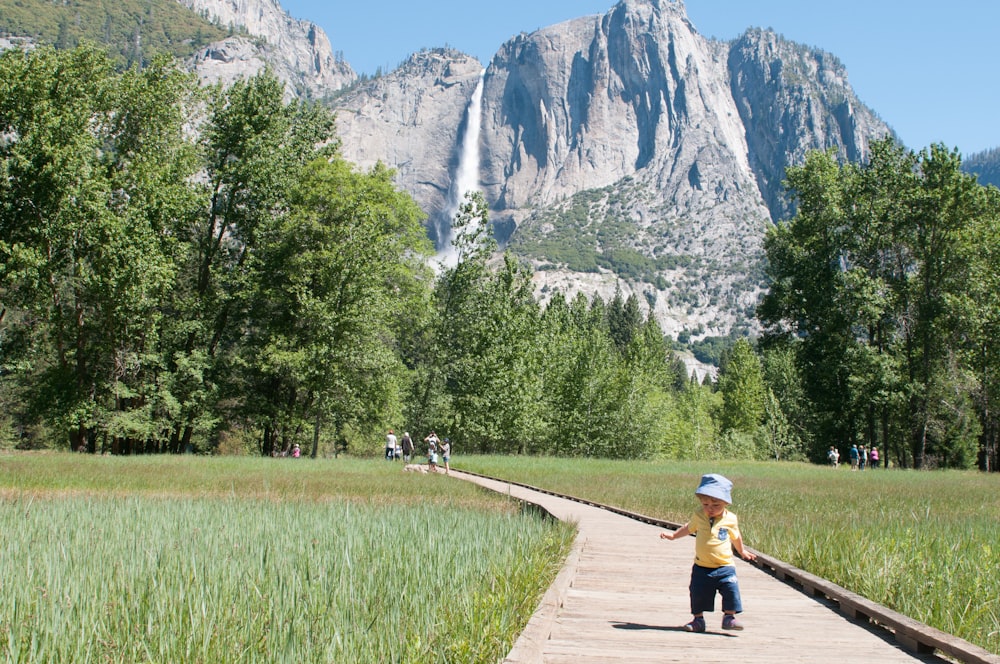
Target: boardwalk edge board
(909, 633)
(528, 647)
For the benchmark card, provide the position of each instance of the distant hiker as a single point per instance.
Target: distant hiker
(833, 456)
(407, 447)
(432, 451)
(446, 455)
(390, 445)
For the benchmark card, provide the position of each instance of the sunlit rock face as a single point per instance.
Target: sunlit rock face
(627, 139)
(298, 51)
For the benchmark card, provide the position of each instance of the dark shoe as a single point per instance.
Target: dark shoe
(730, 622)
(696, 625)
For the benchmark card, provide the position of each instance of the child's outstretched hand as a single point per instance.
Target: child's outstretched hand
(683, 531)
(748, 555)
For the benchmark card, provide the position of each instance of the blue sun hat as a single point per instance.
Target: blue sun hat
(715, 486)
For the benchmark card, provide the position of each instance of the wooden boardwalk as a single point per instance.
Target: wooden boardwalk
(622, 597)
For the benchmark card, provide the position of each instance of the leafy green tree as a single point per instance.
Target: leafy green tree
(95, 172)
(786, 409)
(741, 384)
(588, 395)
(980, 311)
(873, 278)
(804, 268)
(873, 292)
(255, 147)
(485, 343)
(657, 375)
(601, 400)
(322, 347)
(942, 424)
(692, 430)
(624, 320)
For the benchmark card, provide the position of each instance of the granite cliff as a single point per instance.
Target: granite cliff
(298, 51)
(412, 120)
(622, 151)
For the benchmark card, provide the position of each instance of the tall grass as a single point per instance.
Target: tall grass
(359, 480)
(200, 560)
(926, 544)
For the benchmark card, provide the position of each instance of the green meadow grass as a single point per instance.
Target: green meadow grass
(258, 560)
(926, 544)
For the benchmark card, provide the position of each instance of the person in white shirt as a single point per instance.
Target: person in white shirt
(390, 446)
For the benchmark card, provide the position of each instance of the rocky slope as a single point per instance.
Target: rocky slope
(791, 100)
(622, 150)
(412, 120)
(299, 52)
(262, 34)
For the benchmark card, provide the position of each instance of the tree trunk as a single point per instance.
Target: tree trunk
(315, 444)
(266, 442)
(185, 441)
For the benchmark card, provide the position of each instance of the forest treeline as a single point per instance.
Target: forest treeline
(133, 31)
(187, 269)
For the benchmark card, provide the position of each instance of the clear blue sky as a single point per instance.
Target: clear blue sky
(930, 68)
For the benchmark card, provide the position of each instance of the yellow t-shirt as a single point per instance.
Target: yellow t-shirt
(713, 545)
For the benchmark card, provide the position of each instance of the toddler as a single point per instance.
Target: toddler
(717, 534)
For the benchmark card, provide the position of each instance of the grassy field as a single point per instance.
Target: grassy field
(926, 544)
(158, 559)
(217, 559)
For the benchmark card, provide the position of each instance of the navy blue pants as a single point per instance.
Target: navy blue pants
(706, 581)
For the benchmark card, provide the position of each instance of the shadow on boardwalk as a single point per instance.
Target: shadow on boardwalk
(622, 598)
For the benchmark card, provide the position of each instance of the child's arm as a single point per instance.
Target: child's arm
(683, 531)
(743, 553)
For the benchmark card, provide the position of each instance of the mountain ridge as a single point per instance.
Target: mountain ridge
(680, 140)
(620, 152)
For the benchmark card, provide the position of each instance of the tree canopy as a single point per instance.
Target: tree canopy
(879, 283)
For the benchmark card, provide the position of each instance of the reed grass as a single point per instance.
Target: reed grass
(926, 544)
(206, 560)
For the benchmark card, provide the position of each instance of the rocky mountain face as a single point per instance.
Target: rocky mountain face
(412, 120)
(262, 34)
(298, 52)
(621, 151)
(791, 100)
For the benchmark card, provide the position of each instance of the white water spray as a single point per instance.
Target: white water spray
(466, 174)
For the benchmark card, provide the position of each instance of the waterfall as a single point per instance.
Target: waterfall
(466, 174)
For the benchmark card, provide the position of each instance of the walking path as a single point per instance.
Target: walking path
(622, 597)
